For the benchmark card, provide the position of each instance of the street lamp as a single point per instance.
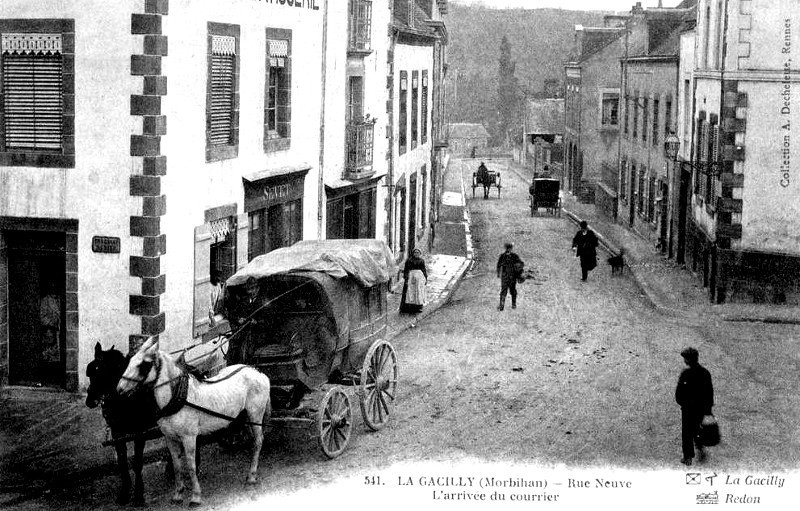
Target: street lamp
(671, 145)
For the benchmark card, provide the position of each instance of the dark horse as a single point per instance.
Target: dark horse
(132, 416)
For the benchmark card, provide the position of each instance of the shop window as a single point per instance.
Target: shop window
(402, 135)
(36, 103)
(222, 111)
(280, 225)
(223, 248)
(352, 216)
(277, 101)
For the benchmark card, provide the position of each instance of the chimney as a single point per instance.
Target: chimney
(637, 9)
(411, 13)
(660, 6)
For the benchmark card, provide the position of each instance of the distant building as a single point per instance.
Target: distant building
(544, 135)
(744, 230)
(464, 137)
(592, 98)
(417, 46)
(640, 190)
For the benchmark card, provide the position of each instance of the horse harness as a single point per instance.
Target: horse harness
(179, 390)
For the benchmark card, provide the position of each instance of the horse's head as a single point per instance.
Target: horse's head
(143, 368)
(103, 373)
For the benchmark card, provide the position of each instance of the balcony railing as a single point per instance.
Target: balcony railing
(360, 26)
(360, 135)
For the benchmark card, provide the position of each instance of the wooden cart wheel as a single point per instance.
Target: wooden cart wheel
(378, 385)
(334, 422)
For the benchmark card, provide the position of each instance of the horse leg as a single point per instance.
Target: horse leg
(138, 462)
(189, 450)
(258, 440)
(123, 495)
(174, 446)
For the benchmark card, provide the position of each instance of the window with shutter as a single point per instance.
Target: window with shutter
(402, 132)
(424, 119)
(222, 119)
(32, 106)
(414, 108)
(277, 100)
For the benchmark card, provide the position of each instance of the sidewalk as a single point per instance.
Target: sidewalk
(49, 437)
(670, 287)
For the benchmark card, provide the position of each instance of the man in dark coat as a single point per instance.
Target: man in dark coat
(695, 395)
(509, 266)
(585, 245)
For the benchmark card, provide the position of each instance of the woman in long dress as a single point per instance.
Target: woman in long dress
(415, 277)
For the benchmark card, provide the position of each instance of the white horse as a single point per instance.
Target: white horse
(206, 407)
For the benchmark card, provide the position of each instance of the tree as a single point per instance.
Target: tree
(507, 93)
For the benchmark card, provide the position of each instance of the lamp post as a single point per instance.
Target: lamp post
(672, 145)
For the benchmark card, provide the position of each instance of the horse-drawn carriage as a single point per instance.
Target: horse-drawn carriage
(545, 193)
(314, 321)
(483, 177)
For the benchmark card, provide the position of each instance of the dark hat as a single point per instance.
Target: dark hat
(690, 354)
(583, 224)
(508, 244)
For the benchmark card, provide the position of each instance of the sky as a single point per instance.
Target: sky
(582, 5)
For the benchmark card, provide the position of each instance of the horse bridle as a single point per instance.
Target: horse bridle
(144, 369)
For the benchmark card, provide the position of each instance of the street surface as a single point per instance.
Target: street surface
(580, 375)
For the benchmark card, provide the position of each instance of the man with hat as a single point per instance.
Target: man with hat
(509, 266)
(695, 395)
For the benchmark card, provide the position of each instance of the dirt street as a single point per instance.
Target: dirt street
(580, 374)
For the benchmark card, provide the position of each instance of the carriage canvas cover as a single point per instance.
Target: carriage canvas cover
(368, 261)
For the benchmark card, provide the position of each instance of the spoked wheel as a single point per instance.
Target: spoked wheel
(378, 385)
(334, 422)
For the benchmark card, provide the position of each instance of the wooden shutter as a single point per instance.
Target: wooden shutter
(202, 277)
(242, 237)
(223, 75)
(32, 101)
(366, 213)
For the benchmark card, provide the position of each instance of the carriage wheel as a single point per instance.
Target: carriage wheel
(378, 385)
(334, 422)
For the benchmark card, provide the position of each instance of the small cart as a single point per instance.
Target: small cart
(545, 193)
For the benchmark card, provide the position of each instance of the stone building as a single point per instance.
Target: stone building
(640, 193)
(591, 106)
(463, 137)
(744, 228)
(147, 147)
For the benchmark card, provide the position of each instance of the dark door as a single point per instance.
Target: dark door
(36, 307)
(664, 211)
(633, 198)
(683, 204)
(412, 213)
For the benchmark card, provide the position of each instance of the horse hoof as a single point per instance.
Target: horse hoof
(195, 503)
(176, 500)
(252, 479)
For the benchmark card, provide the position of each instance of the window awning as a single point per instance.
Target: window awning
(220, 229)
(278, 52)
(23, 44)
(277, 172)
(340, 187)
(223, 45)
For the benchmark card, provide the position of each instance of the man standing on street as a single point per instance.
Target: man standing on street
(585, 246)
(509, 266)
(695, 395)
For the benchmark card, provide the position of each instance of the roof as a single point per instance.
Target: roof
(545, 116)
(368, 261)
(417, 24)
(467, 130)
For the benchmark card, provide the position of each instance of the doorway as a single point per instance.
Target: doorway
(36, 307)
(412, 213)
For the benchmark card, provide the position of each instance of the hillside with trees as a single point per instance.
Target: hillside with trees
(539, 40)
